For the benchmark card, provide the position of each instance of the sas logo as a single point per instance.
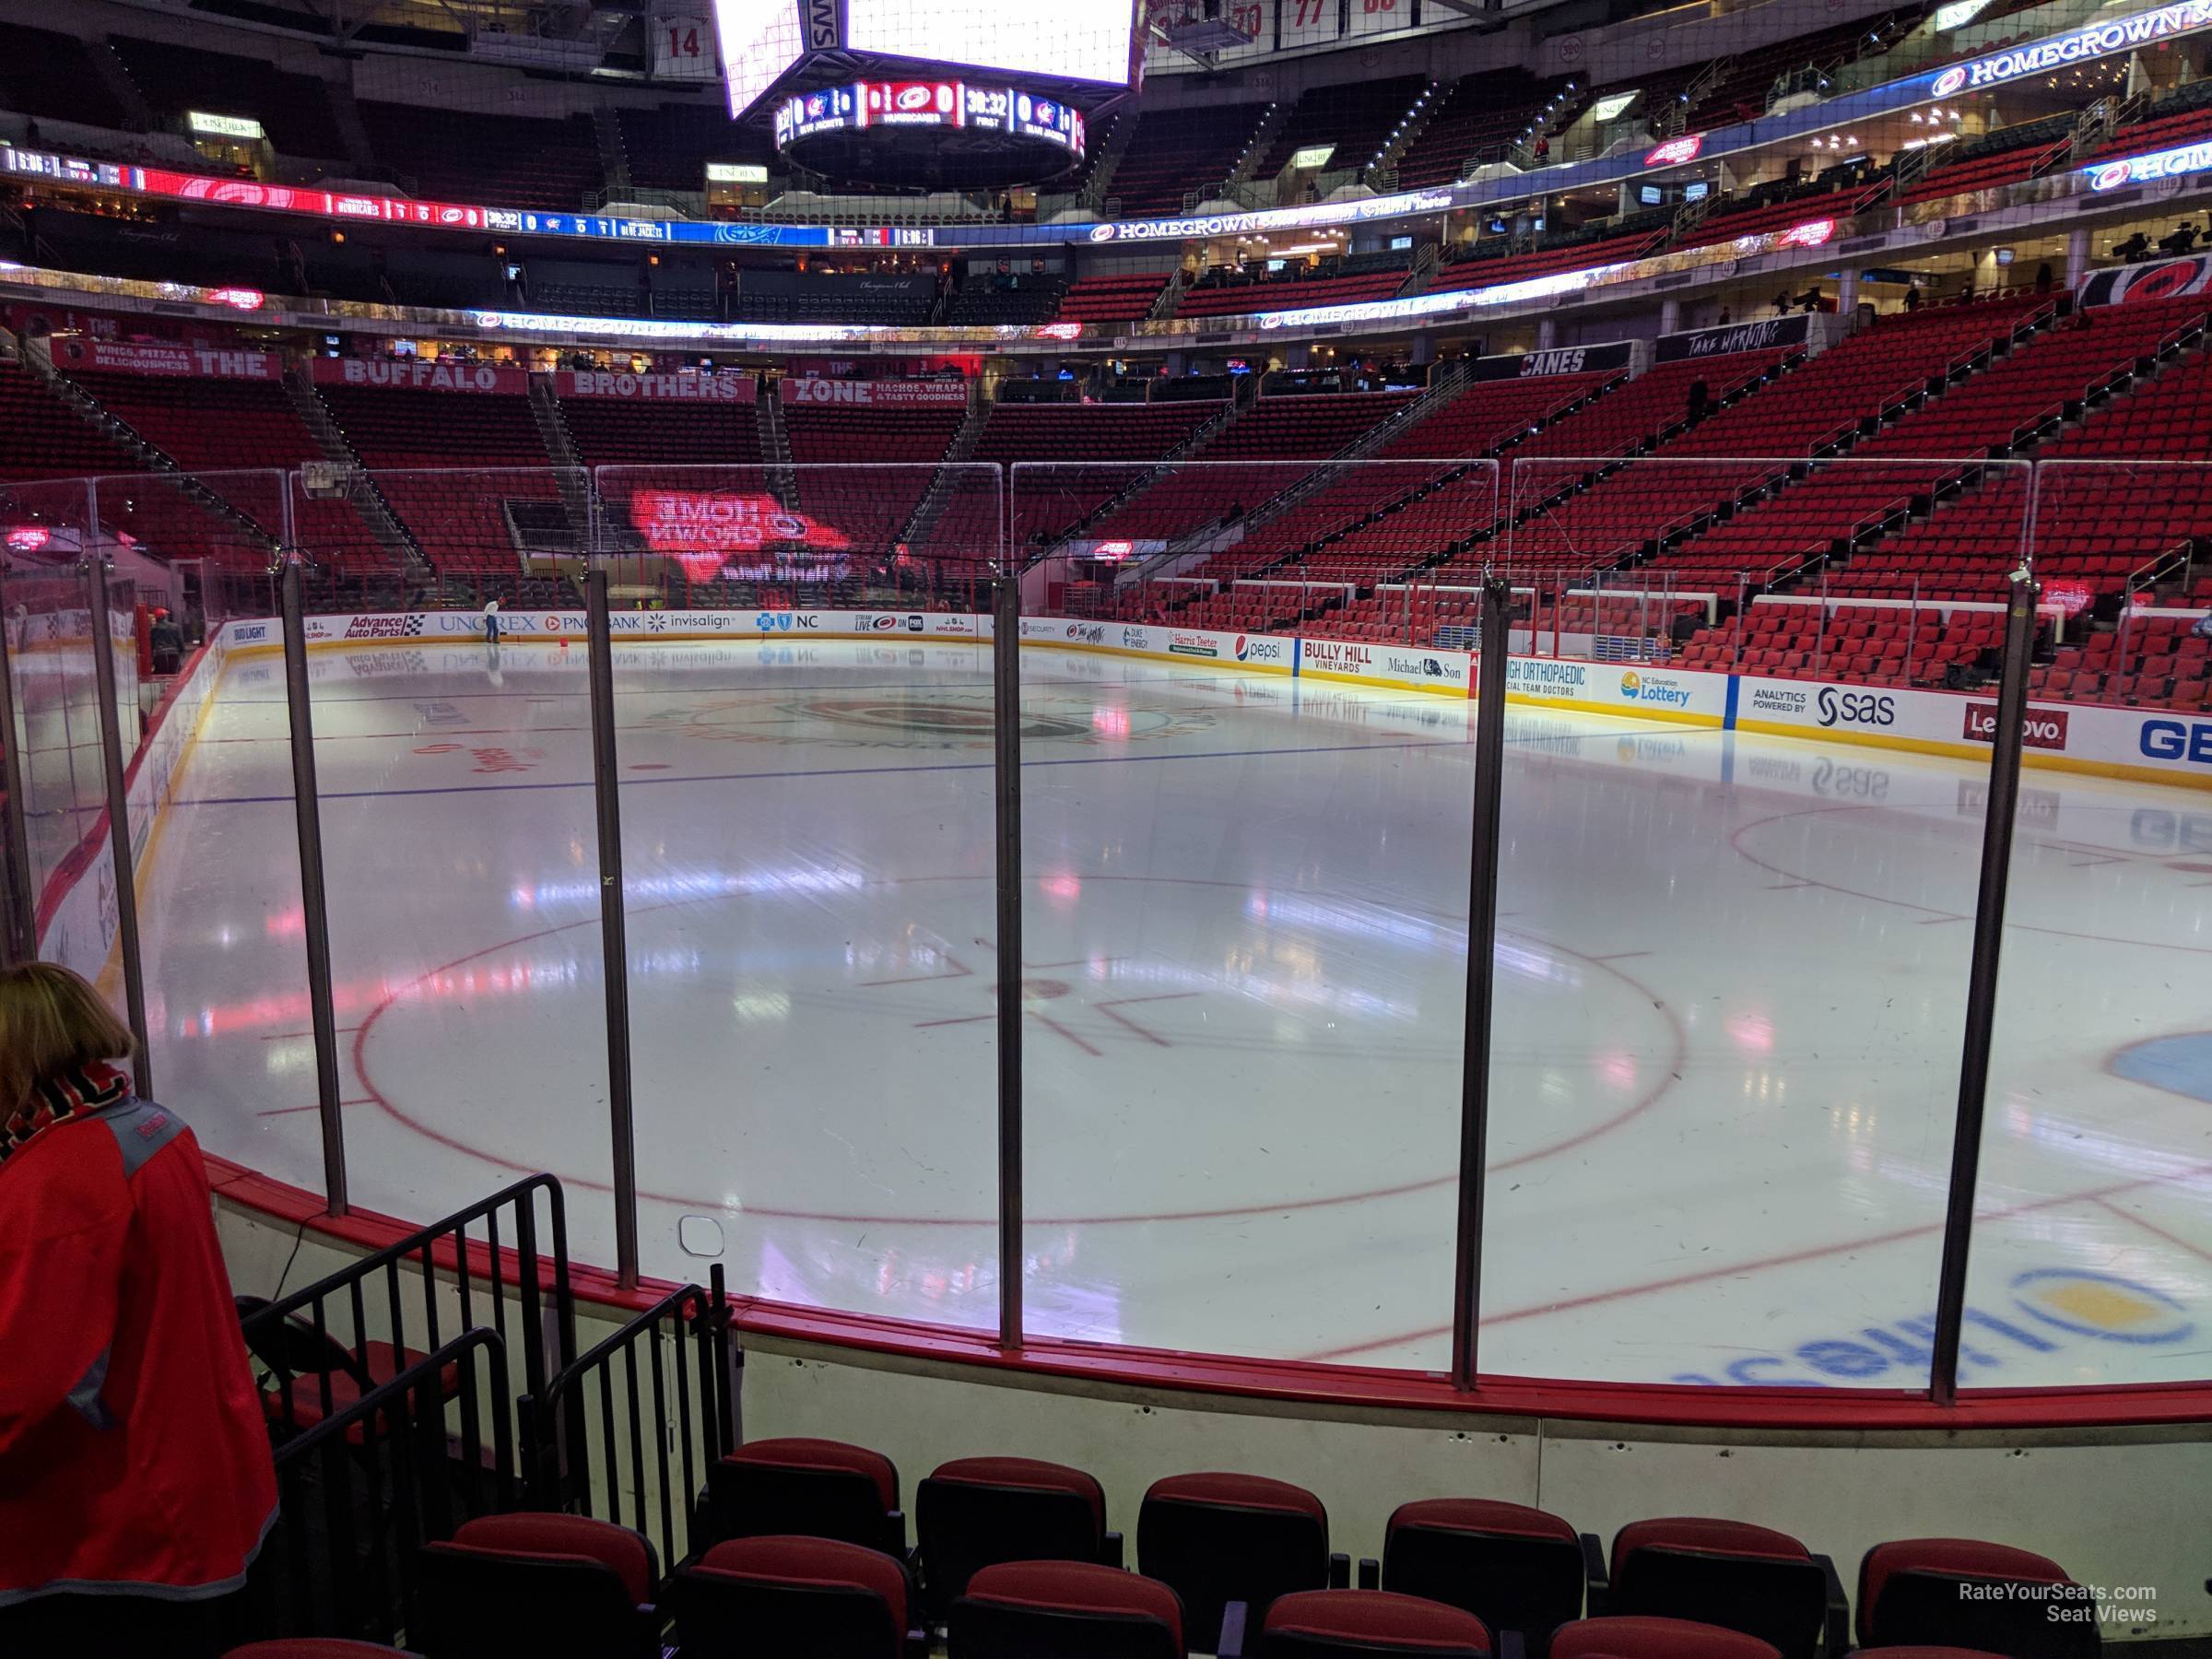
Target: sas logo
(1856, 708)
(248, 634)
(2178, 740)
(1949, 81)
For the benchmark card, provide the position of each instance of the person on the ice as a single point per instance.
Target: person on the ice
(492, 622)
(136, 1481)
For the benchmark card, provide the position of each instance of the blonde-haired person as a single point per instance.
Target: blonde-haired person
(136, 1483)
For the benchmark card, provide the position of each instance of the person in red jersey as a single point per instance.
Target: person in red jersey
(135, 1480)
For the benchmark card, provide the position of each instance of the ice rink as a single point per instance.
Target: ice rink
(1727, 1039)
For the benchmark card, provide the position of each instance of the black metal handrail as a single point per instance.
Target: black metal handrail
(665, 1469)
(291, 1336)
(362, 1490)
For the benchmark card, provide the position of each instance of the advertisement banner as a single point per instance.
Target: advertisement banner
(2157, 279)
(1416, 667)
(879, 393)
(1564, 359)
(1766, 334)
(657, 388)
(442, 376)
(174, 358)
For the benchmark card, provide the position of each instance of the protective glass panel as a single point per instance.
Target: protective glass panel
(48, 531)
(804, 691)
(2091, 1260)
(221, 926)
(1247, 771)
(1735, 913)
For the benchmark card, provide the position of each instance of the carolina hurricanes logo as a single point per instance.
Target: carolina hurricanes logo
(2167, 281)
(1676, 150)
(913, 98)
(1949, 81)
(2110, 176)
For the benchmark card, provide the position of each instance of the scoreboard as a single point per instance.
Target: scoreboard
(1089, 41)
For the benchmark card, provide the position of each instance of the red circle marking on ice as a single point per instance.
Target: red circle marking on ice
(1665, 1071)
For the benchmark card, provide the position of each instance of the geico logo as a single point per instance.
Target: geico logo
(1856, 708)
(2178, 740)
(2163, 831)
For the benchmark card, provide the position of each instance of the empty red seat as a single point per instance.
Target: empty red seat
(1220, 1538)
(1019, 1609)
(1513, 1567)
(1312, 1624)
(976, 1511)
(552, 1586)
(1654, 1639)
(1732, 1574)
(819, 1489)
(793, 1595)
(1939, 1591)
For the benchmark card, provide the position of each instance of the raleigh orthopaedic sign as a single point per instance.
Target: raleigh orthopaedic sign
(2099, 40)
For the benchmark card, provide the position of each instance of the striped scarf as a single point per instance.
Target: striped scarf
(58, 1099)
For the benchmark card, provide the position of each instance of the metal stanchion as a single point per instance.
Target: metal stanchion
(1981, 981)
(613, 928)
(314, 903)
(1482, 938)
(119, 823)
(19, 903)
(1005, 690)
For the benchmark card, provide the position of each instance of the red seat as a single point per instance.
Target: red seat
(1018, 1609)
(1513, 1567)
(1731, 1573)
(1654, 1639)
(793, 1595)
(1309, 1624)
(313, 1647)
(819, 1489)
(1220, 1538)
(976, 1511)
(548, 1586)
(1913, 1590)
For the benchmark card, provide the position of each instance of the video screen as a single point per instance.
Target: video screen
(1067, 39)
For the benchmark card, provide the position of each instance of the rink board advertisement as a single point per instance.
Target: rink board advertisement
(76, 921)
(2159, 745)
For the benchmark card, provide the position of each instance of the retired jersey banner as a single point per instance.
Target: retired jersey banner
(417, 374)
(172, 357)
(878, 394)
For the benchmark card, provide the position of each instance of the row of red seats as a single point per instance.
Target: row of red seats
(1015, 1559)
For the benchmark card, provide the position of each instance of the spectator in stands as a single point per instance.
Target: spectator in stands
(2043, 277)
(1912, 297)
(168, 642)
(136, 1483)
(1781, 303)
(1543, 150)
